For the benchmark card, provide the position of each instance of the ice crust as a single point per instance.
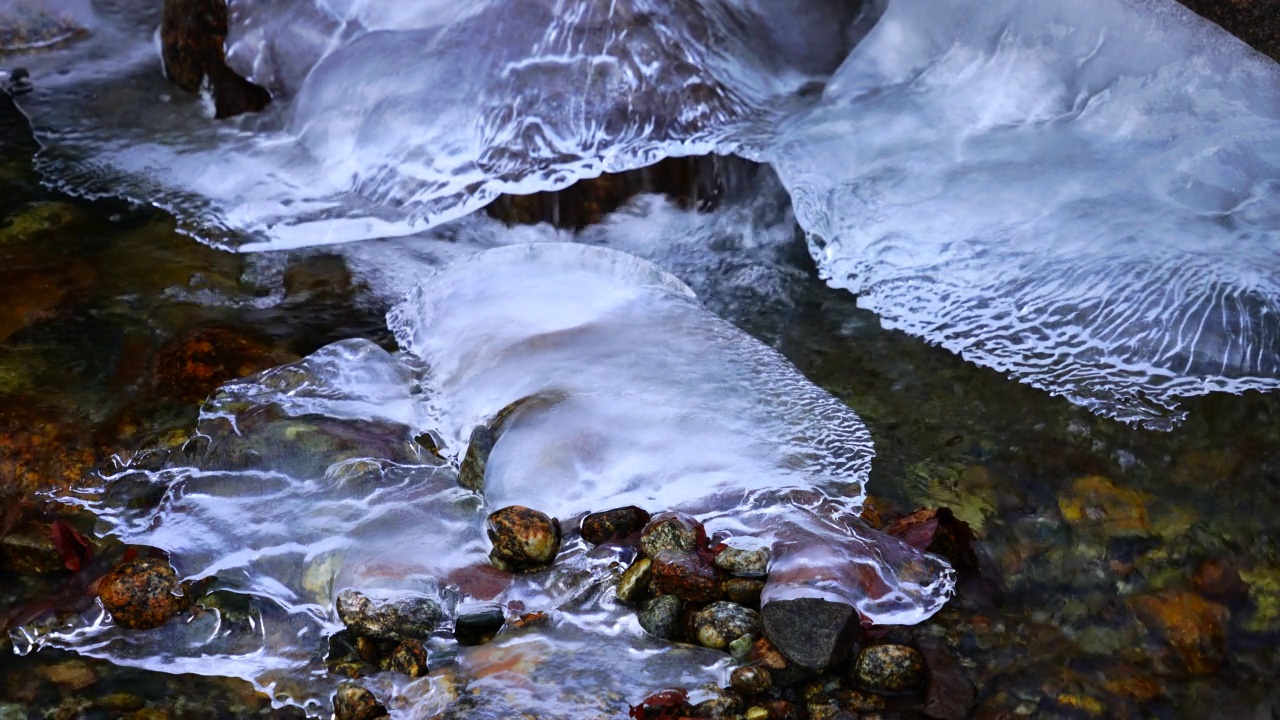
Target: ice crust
(302, 481)
(1082, 194)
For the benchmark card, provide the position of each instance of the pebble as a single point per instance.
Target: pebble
(744, 591)
(613, 524)
(660, 616)
(409, 658)
(889, 669)
(352, 702)
(400, 619)
(139, 594)
(524, 540)
(686, 576)
(757, 713)
(669, 531)
(479, 626)
(721, 623)
(634, 583)
(810, 632)
(71, 675)
(750, 680)
(744, 563)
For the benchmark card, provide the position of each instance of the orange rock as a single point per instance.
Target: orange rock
(40, 448)
(1193, 627)
(194, 365)
(1097, 502)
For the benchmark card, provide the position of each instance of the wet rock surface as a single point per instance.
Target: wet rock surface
(634, 583)
(142, 594)
(660, 616)
(721, 623)
(192, 39)
(478, 626)
(670, 531)
(353, 702)
(891, 669)
(524, 540)
(398, 619)
(811, 633)
(471, 471)
(613, 524)
(686, 576)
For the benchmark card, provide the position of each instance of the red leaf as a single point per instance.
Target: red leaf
(74, 548)
(667, 704)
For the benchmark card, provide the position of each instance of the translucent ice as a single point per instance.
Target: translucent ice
(305, 480)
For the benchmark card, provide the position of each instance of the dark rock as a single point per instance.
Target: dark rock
(399, 619)
(479, 626)
(352, 702)
(750, 680)
(193, 365)
(660, 616)
(1257, 22)
(721, 623)
(670, 531)
(409, 658)
(891, 669)
(743, 563)
(613, 524)
(192, 41)
(810, 632)
(523, 539)
(471, 472)
(784, 672)
(635, 582)
(949, 694)
(744, 591)
(140, 594)
(686, 576)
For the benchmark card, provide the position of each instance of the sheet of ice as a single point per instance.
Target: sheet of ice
(305, 480)
(1082, 194)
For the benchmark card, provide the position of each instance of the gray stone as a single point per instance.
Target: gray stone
(810, 632)
(660, 616)
(400, 619)
(669, 531)
(721, 623)
(889, 669)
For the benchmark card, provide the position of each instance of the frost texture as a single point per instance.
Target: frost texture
(303, 480)
(1083, 194)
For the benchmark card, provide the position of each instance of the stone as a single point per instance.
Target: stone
(810, 632)
(192, 40)
(686, 576)
(750, 680)
(1096, 503)
(1194, 628)
(141, 594)
(757, 712)
(477, 627)
(744, 591)
(635, 582)
(721, 623)
(670, 531)
(409, 658)
(399, 619)
(194, 364)
(740, 648)
(743, 563)
(524, 540)
(613, 524)
(890, 669)
(353, 702)
(720, 705)
(71, 675)
(476, 459)
(660, 616)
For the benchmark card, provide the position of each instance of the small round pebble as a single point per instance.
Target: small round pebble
(889, 669)
(635, 581)
(613, 524)
(139, 594)
(523, 539)
(721, 623)
(750, 680)
(669, 531)
(743, 563)
(660, 616)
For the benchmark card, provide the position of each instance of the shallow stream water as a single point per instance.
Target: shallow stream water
(253, 416)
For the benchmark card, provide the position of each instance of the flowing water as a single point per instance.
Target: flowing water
(1080, 199)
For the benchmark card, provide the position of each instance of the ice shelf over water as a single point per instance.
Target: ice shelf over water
(1083, 194)
(305, 480)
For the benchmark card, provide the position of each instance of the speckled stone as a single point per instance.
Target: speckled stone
(686, 576)
(889, 669)
(476, 459)
(524, 540)
(721, 623)
(669, 531)
(139, 594)
(352, 702)
(400, 619)
(613, 524)
(634, 583)
(409, 658)
(810, 632)
(660, 616)
(744, 563)
(744, 591)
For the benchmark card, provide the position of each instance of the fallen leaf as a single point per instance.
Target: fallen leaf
(74, 548)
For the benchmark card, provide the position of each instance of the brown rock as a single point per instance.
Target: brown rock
(192, 39)
(1193, 627)
(613, 524)
(409, 658)
(194, 365)
(686, 576)
(744, 591)
(889, 669)
(750, 680)
(1097, 503)
(523, 539)
(40, 448)
(71, 675)
(352, 702)
(140, 594)
(811, 632)
(471, 471)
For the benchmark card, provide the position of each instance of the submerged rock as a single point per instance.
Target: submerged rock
(141, 594)
(409, 658)
(721, 623)
(889, 669)
(810, 632)
(744, 591)
(613, 524)
(660, 617)
(523, 539)
(479, 626)
(352, 702)
(1194, 628)
(399, 619)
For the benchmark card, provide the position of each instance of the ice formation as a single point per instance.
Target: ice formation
(304, 480)
(1083, 194)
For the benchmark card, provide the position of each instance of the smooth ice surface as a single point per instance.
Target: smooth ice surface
(1083, 194)
(620, 388)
